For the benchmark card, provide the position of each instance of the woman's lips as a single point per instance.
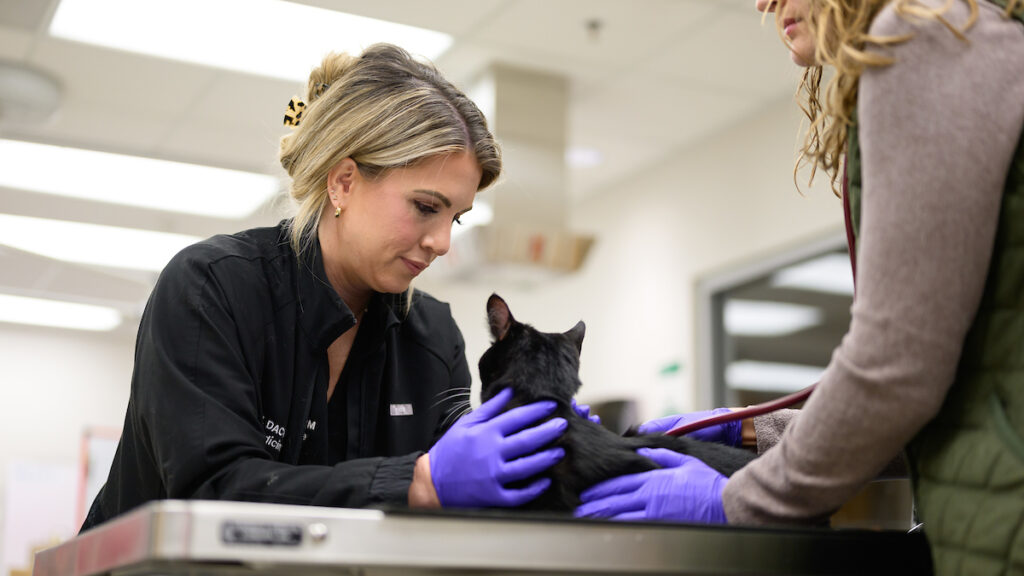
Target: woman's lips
(414, 266)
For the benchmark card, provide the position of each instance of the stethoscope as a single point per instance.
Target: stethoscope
(744, 413)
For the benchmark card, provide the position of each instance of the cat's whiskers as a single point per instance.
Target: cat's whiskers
(451, 394)
(458, 411)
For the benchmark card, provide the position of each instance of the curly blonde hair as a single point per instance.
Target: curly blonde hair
(840, 29)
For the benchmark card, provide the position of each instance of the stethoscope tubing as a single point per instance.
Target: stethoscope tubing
(744, 413)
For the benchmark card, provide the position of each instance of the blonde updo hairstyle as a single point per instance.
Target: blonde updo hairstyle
(384, 110)
(842, 40)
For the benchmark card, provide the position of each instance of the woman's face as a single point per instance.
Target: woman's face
(391, 228)
(792, 15)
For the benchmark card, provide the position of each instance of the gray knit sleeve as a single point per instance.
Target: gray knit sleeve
(769, 428)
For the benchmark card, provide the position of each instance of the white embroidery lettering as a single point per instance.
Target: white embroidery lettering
(273, 443)
(401, 409)
(276, 429)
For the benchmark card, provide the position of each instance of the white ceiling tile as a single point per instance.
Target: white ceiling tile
(121, 78)
(730, 50)
(627, 32)
(14, 44)
(662, 111)
(251, 146)
(237, 122)
(747, 5)
(456, 17)
(638, 120)
(462, 63)
(30, 15)
(99, 125)
(242, 100)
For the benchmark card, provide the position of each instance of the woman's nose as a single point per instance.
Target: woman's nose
(766, 5)
(439, 239)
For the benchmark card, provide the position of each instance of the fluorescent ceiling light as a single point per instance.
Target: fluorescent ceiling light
(92, 243)
(770, 376)
(57, 314)
(265, 37)
(132, 180)
(830, 273)
(762, 318)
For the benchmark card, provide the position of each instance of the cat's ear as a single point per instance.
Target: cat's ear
(498, 317)
(576, 335)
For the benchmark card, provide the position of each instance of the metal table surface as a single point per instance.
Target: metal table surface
(196, 538)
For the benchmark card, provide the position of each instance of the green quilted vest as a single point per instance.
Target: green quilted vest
(967, 465)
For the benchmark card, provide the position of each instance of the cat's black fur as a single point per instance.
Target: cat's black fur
(538, 366)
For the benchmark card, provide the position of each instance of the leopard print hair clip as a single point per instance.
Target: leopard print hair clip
(293, 114)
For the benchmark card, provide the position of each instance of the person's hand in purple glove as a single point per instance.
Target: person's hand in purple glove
(583, 410)
(487, 449)
(729, 433)
(684, 489)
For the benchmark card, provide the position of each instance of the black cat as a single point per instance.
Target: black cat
(539, 366)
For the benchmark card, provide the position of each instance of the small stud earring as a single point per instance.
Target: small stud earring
(337, 211)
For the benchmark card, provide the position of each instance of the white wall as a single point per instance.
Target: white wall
(725, 201)
(53, 385)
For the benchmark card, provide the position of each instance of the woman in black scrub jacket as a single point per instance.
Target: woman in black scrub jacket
(295, 364)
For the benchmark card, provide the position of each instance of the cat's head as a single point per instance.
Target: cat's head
(534, 364)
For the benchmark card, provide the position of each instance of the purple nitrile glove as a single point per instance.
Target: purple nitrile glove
(684, 489)
(486, 449)
(728, 433)
(584, 412)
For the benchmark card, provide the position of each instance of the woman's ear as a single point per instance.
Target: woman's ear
(339, 183)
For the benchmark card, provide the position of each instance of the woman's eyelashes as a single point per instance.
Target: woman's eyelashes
(428, 209)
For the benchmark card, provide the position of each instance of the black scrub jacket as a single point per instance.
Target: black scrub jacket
(229, 392)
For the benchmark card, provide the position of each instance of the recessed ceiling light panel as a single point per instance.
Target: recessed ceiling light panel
(265, 37)
(133, 180)
(57, 314)
(93, 244)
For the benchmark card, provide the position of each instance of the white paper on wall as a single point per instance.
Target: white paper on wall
(40, 503)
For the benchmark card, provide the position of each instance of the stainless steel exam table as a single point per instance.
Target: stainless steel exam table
(198, 538)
